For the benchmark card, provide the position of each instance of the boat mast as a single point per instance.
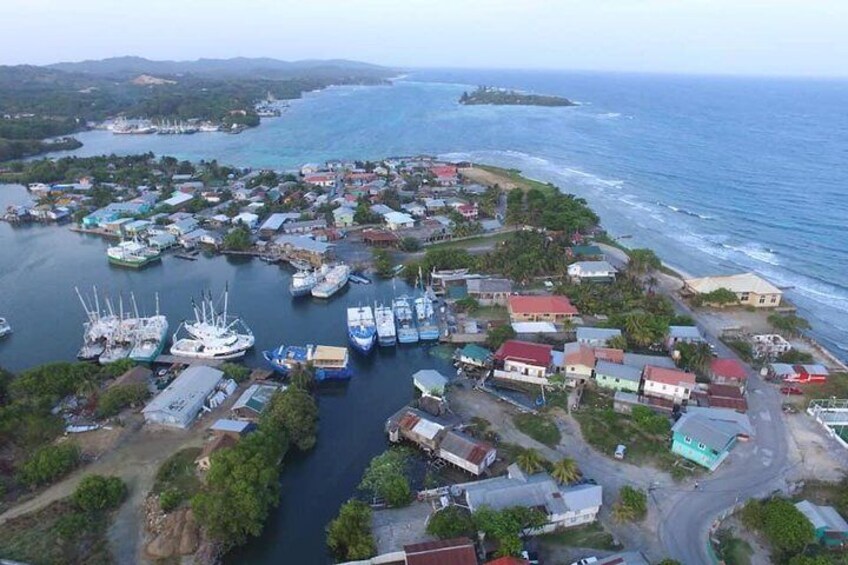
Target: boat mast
(96, 302)
(134, 305)
(157, 303)
(84, 305)
(226, 301)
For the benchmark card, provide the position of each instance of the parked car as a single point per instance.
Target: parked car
(791, 390)
(586, 561)
(620, 451)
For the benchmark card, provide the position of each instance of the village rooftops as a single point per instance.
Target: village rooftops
(641, 360)
(536, 354)
(673, 377)
(303, 243)
(741, 283)
(177, 199)
(557, 305)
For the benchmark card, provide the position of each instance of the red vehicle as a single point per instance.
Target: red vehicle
(790, 390)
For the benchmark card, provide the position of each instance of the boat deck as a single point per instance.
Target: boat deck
(174, 359)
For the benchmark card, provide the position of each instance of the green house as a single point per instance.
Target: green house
(831, 528)
(706, 435)
(474, 355)
(617, 377)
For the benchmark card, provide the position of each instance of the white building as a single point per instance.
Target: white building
(247, 219)
(179, 404)
(592, 271)
(398, 220)
(177, 199)
(670, 384)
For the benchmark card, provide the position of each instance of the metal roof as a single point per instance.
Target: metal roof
(596, 334)
(430, 380)
(617, 371)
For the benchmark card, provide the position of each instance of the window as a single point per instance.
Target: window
(701, 446)
(762, 300)
(743, 297)
(773, 299)
(687, 439)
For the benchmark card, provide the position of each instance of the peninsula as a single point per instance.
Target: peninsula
(490, 95)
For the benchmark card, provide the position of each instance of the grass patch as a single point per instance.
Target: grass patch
(604, 429)
(176, 480)
(836, 385)
(491, 313)
(591, 536)
(58, 533)
(475, 241)
(541, 428)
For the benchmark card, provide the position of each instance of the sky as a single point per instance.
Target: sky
(749, 37)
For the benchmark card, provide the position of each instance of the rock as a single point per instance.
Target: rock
(163, 546)
(190, 539)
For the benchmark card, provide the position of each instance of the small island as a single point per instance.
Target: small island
(502, 97)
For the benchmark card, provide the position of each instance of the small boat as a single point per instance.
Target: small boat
(132, 254)
(333, 282)
(361, 329)
(359, 278)
(5, 327)
(385, 320)
(404, 320)
(303, 282)
(330, 363)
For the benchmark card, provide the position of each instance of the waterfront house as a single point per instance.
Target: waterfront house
(430, 382)
(272, 225)
(343, 217)
(617, 377)
(182, 400)
(578, 361)
(522, 361)
(182, 227)
(247, 219)
(303, 248)
(728, 371)
(137, 228)
(217, 443)
(161, 240)
(801, 374)
(398, 220)
(706, 435)
(489, 292)
(563, 506)
(682, 334)
(254, 400)
(596, 337)
(304, 226)
(831, 529)
(588, 252)
(671, 384)
(556, 309)
(466, 453)
(591, 271)
(474, 356)
(417, 427)
(750, 289)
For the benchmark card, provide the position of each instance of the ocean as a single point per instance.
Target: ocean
(716, 174)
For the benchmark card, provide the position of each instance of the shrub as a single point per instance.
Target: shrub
(72, 526)
(451, 522)
(97, 492)
(48, 463)
(239, 373)
(497, 336)
(119, 397)
(170, 499)
(349, 535)
(386, 477)
(632, 505)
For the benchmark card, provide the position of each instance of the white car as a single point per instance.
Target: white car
(620, 451)
(586, 561)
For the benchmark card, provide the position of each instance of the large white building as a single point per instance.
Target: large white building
(181, 401)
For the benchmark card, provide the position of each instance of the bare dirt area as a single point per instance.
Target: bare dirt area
(488, 178)
(814, 453)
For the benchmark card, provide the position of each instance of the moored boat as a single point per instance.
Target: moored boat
(213, 334)
(361, 329)
(385, 320)
(329, 363)
(132, 254)
(404, 321)
(425, 315)
(5, 327)
(334, 281)
(303, 282)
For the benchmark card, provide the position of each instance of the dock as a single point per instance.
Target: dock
(188, 255)
(174, 360)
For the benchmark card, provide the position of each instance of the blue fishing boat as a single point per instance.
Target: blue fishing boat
(361, 328)
(404, 320)
(329, 363)
(425, 317)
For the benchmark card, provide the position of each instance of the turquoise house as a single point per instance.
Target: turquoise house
(831, 528)
(705, 436)
(617, 377)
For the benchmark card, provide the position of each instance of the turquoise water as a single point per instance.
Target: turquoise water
(716, 174)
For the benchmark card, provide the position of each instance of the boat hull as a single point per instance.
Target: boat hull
(428, 333)
(407, 336)
(276, 360)
(387, 340)
(133, 264)
(361, 344)
(300, 291)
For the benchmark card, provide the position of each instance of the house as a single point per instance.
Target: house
(801, 374)
(672, 384)
(585, 252)
(247, 219)
(324, 180)
(161, 240)
(706, 435)
(254, 400)
(523, 361)
(381, 209)
(445, 175)
(531, 329)
(343, 217)
(596, 337)
(236, 428)
(303, 248)
(177, 200)
(467, 453)
(618, 377)
(750, 289)
(591, 271)
(304, 226)
(474, 356)
(398, 220)
(640, 361)
(578, 361)
(137, 228)
(682, 334)
(432, 204)
(182, 227)
(181, 401)
(728, 371)
(724, 396)
(831, 528)
(430, 382)
(563, 506)
(491, 225)
(457, 551)
(415, 209)
(468, 211)
(489, 292)
(272, 225)
(380, 238)
(557, 309)
(415, 426)
(219, 442)
(610, 354)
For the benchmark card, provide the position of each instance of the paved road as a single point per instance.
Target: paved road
(753, 469)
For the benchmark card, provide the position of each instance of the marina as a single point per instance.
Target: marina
(303, 281)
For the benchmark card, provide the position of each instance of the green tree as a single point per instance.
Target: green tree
(239, 373)
(238, 239)
(295, 411)
(451, 522)
(530, 461)
(508, 525)
(118, 397)
(497, 336)
(695, 357)
(96, 492)
(386, 477)
(632, 505)
(617, 342)
(382, 263)
(48, 463)
(786, 528)
(410, 244)
(650, 422)
(789, 323)
(565, 471)
(642, 261)
(302, 378)
(809, 560)
(718, 297)
(467, 304)
(349, 534)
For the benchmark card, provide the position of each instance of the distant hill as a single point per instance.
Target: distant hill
(262, 67)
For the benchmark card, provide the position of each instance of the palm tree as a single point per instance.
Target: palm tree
(565, 471)
(636, 324)
(529, 461)
(617, 342)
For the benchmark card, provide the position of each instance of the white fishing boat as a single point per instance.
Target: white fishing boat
(212, 334)
(361, 328)
(5, 327)
(151, 334)
(385, 320)
(404, 320)
(304, 281)
(333, 282)
(132, 253)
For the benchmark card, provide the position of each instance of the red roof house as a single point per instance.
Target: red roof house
(536, 354)
(728, 372)
(457, 551)
(672, 384)
(540, 309)
(609, 354)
